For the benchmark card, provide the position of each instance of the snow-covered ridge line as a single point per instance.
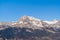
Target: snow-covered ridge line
(51, 22)
(33, 18)
(32, 22)
(48, 22)
(35, 21)
(30, 17)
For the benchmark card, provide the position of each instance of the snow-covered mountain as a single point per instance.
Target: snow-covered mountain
(31, 22)
(27, 21)
(31, 28)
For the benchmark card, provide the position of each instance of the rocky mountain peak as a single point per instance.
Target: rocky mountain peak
(31, 28)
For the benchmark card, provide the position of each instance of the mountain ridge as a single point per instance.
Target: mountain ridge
(29, 26)
(31, 21)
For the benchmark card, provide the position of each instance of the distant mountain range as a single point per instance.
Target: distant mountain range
(30, 28)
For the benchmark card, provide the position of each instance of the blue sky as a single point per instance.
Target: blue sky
(12, 10)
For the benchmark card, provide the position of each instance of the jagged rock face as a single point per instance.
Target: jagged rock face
(30, 28)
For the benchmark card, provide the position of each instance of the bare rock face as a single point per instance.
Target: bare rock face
(30, 28)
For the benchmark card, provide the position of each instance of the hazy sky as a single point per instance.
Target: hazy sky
(12, 10)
